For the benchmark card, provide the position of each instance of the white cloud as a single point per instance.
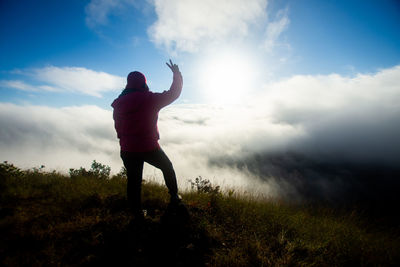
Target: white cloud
(186, 25)
(68, 79)
(80, 80)
(329, 118)
(275, 29)
(190, 25)
(16, 84)
(355, 118)
(57, 137)
(98, 11)
(23, 86)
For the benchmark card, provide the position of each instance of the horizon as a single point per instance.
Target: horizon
(270, 87)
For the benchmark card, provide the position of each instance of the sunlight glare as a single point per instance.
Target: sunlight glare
(226, 78)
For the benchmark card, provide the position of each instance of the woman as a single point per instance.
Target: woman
(135, 120)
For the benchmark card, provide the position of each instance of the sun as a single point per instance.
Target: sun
(226, 78)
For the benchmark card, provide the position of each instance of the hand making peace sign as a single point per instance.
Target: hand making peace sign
(174, 68)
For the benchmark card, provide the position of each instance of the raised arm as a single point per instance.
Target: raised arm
(167, 97)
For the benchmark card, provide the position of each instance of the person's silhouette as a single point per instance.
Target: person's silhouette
(135, 120)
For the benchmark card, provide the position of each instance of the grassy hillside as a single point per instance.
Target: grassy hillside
(82, 219)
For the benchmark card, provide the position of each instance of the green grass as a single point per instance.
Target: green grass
(54, 219)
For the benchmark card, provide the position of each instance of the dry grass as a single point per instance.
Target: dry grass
(52, 219)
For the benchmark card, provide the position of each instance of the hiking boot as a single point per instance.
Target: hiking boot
(177, 208)
(138, 215)
(175, 199)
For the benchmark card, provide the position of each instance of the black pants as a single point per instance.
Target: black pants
(133, 162)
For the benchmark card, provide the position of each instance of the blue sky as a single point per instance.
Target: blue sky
(319, 78)
(320, 37)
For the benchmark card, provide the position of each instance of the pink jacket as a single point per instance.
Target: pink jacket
(136, 113)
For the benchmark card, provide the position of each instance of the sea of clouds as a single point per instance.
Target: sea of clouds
(300, 133)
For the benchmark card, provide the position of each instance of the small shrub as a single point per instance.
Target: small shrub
(10, 169)
(81, 172)
(36, 170)
(97, 170)
(100, 170)
(204, 186)
(122, 174)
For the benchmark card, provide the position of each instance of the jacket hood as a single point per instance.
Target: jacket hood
(136, 79)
